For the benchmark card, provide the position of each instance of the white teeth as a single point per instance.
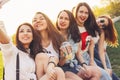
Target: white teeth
(26, 38)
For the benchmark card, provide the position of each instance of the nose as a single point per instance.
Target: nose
(25, 32)
(38, 20)
(62, 20)
(83, 14)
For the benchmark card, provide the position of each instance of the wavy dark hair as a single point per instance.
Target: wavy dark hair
(90, 24)
(73, 30)
(35, 46)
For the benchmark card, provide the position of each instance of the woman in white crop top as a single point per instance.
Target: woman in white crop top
(50, 40)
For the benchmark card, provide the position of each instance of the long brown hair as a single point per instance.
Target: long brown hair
(111, 35)
(34, 46)
(53, 33)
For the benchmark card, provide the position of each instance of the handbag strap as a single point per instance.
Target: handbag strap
(3, 73)
(17, 67)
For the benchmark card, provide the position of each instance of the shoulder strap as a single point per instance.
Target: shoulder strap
(3, 73)
(17, 67)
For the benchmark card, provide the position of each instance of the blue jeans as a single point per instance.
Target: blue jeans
(99, 63)
(105, 75)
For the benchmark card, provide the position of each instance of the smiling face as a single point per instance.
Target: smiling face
(63, 21)
(25, 35)
(82, 14)
(39, 22)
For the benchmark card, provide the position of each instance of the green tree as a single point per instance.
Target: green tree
(115, 9)
(109, 7)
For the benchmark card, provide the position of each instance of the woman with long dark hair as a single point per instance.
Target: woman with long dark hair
(88, 27)
(26, 48)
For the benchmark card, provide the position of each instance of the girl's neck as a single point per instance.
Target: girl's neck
(44, 36)
(45, 43)
(80, 24)
(64, 34)
(45, 39)
(26, 46)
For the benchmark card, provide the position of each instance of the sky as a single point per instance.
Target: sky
(15, 12)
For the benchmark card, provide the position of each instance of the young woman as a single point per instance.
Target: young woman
(26, 48)
(71, 58)
(51, 41)
(108, 37)
(88, 27)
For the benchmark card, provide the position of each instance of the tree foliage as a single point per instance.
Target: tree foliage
(110, 7)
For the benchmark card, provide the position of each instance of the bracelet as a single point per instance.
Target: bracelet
(83, 64)
(52, 63)
(51, 58)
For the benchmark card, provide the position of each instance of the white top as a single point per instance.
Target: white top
(27, 64)
(51, 51)
(96, 39)
(81, 29)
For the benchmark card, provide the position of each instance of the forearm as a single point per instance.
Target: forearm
(92, 58)
(102, 58)
(91, 53)
(80, 57)
(101, 50)
(102, 55)
(54, 60)
(4, 39)
(52, 63)
(62, 61)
